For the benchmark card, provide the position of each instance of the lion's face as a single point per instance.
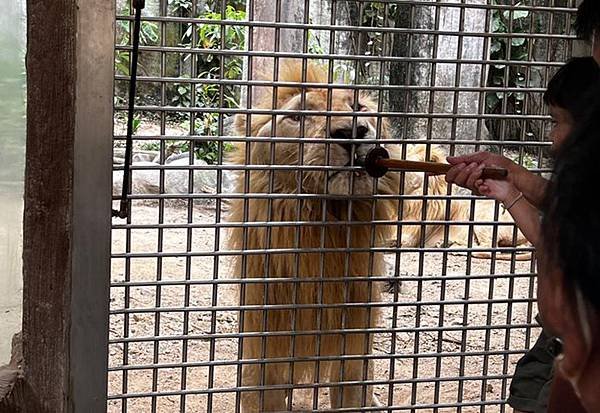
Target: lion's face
(347, 134)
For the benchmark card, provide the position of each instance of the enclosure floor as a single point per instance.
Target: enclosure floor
(470, 339)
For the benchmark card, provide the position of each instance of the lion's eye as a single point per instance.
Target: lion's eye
(362, 108)
(294, 118)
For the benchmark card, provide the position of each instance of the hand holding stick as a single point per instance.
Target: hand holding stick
(377, 162)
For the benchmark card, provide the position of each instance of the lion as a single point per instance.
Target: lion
(338, 298)
(307, 278)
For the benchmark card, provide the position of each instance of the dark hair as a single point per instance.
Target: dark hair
(588, 19)
(569, 87)
(571, 224)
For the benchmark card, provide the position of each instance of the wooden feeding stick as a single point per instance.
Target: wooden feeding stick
(377, 162)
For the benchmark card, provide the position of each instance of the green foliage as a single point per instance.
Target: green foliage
(206, 125)
(149, 32)
(122, 64)
(374, 15)
(314, 44)
(208, 65)
(137, 122)
(210, 35)
(209, 151)
(149, 36)
(150, 146)
(374, 43)
(211, 68)
(180, 7)
(508, 48)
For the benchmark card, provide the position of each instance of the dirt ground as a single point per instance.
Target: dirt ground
(476, 364)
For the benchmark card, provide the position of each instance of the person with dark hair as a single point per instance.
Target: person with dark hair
(569, 97)
(569, 271)
(568, 87)
(587, 24)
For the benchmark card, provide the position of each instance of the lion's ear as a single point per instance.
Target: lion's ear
(240, 124)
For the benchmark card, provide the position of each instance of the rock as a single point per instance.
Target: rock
(177, 156)
(176, 181)
(144, 181)
(145, 156)
(139, 155)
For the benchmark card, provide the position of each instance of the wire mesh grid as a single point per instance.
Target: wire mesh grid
(260, 269)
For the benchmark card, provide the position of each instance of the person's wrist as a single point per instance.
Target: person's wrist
(511, 199)
(510, 195)
(515, 174)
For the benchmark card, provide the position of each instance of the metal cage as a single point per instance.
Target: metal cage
(456, 305)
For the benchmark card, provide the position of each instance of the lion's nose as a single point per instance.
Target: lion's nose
(348, 133)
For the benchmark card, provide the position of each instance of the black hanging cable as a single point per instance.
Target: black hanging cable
(123, 211)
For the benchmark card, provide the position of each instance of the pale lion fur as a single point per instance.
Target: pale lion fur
(439, 210)
(313, 265)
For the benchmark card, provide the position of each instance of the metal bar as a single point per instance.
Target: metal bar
(249, 99)
(88, 248)
(329, 113)
(124, 206)
(338, 331)
(248, 307)
(282, 139)
(326, 280)
(251, 195)
(217, 239)
(280, 55)
(315, 250)
(424, 341)
(259, 224)
(321, 358)
(161, 213)
(340, 86)
(402, 407)
(553, 9)
(312, 385)
(346, 28)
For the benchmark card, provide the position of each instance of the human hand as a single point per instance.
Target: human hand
(502, 191)
(466, 169)
(487, 158)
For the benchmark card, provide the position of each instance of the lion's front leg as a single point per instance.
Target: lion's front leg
(261, 375)
(352, 371)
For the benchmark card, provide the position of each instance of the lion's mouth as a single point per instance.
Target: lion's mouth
(357, 174)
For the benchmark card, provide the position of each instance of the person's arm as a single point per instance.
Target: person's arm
(466, 172)
(531, 185)
(525, 215)
(527, 218)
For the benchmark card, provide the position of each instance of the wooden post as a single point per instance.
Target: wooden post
(51, 76)
(66, 229)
